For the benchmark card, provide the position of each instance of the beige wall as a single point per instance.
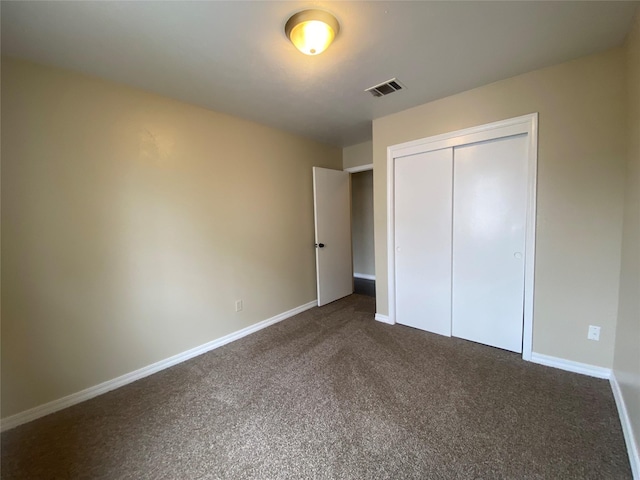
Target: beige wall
(362, 222)
(130, 225)
(627, 352)
(357, 155)
(581, 109)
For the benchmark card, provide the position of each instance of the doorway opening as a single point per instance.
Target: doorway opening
(364, 279)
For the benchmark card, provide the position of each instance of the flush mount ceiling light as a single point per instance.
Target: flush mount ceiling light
(312, 31)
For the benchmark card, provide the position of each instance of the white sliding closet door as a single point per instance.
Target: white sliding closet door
(489, 212)
(423, 198)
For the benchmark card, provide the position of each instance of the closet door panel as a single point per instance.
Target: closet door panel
(423, 203)
(489, 212)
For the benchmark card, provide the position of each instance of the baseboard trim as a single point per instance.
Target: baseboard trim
(384, 319)
(364, 276)
(91, 392)
(571, 366)
(627, 428)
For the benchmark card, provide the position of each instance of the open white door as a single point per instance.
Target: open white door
(332, 210)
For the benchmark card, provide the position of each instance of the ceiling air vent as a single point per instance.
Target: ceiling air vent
(385, 88)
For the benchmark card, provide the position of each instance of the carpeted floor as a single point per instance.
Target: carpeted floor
(331, 393)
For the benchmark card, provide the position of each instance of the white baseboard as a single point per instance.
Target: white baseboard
(88, 393)
(384, 319)
(571, 366)
(364, 276)
(627, 428)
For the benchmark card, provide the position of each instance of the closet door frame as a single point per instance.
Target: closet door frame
(526, 124)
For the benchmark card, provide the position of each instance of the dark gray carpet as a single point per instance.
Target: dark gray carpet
(331, 393)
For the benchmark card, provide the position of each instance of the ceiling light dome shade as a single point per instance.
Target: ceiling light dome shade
(312, 31)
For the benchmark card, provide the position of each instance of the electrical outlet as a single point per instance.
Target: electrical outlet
(238, 305)
(594, 333)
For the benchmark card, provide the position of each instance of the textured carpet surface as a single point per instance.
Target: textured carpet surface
(331, 393)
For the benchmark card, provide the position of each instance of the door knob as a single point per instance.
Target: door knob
(319, 245)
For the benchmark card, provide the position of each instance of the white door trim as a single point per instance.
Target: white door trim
(360, 168)
(525, 124)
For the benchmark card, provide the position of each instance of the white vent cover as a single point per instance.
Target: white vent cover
(385, 88)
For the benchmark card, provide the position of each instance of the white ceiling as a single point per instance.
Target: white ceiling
(234, 57)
